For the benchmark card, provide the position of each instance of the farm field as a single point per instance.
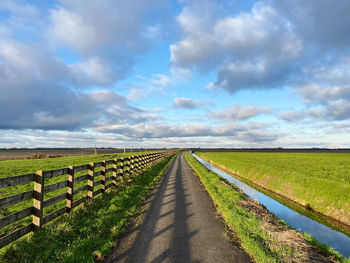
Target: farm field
(317, 181)
(19, 167)
(14, 154)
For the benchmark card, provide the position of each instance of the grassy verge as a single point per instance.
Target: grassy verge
(251, 231)
(318, 181)
(88, 233)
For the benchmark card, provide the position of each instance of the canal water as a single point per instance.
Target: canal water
(335, 239)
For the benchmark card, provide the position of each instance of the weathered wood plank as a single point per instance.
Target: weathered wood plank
(54, 215)
(98, 192)
(108, 162)
(91, 180)
(54, 187)
(15, 235)
(103, 177)
(70, 189)
(16, 180)
(114, 175)
(109, 178)
(111, 169)
(54, 200)
(7, 220)
(98, 164)
(38, 200)
(81, 167)
(55, 173)
(98, 173)
(14, 199)
(96, 183)
(77, 190)
(81, 178)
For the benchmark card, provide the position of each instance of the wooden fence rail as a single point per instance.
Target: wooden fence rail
(120, 168)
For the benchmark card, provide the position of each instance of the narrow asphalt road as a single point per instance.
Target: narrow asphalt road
(179, 224)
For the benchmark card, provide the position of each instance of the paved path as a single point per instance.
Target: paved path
(179, 225)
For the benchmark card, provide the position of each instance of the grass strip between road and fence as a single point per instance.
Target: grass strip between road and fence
(89, 233)
(245, 225)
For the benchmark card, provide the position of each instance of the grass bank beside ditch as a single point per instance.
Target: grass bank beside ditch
(89, 232)
(318, 181)
(263, 236)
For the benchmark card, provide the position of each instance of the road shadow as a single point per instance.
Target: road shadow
(137, 243)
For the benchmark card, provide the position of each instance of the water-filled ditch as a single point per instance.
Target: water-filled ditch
(335, 239)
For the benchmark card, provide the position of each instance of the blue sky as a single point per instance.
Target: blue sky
(180, 73)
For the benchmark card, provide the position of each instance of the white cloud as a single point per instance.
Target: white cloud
(93, 71)
(325, 24)
(250, 50)
(187, 103)
(157, 83)
(160, 80)
(246, 133)
(88, 28)
(293, 116)
(237, 113)
(70, 29)
(315, 93)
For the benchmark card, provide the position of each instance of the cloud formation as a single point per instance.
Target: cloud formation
(250, 50)
(238, 113)
(246, 133)
(187, 103)
(41, 90)
(325, 24)
(68, 68)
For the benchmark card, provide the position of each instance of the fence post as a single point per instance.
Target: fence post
(137, 163)
(103, 178)
(126, 167)
(115, 165)
(142, 161)
(122, 167)
(38, 200)
(132, 164)
(91, 180)
(70, 189)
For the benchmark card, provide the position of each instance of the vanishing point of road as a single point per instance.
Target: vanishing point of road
(179, 224)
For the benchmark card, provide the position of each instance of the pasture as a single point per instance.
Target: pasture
(317, 181)
(14, 154)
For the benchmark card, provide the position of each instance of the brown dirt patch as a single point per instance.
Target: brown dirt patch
(283, 235)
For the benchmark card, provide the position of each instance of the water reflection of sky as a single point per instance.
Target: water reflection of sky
(322, 233)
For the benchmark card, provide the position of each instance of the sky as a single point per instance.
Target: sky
(174, 73)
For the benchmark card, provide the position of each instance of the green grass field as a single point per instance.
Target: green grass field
(89, 232)
(319, 181)
(255, 238)
(18, 167)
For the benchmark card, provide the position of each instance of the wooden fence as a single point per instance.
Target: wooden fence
(120, 167)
